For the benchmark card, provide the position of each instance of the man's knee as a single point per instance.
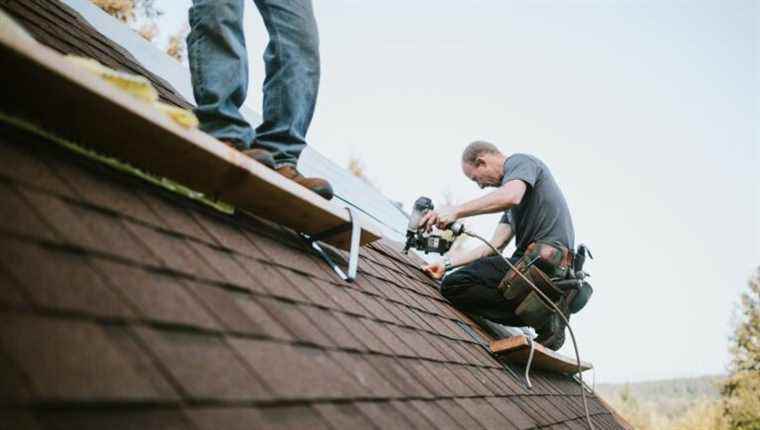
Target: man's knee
(451, 285)
(213, 13)
(302, 46)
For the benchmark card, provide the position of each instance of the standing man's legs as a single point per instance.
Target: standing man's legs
(219, 68)
(292, 77)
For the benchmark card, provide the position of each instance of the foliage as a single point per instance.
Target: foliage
(745, 343)
(128, 11)
(148, 31)
(741, 391)
(704, 415)
(357, 168)
(142, 16)
(692, 404)
(123, 10)
(676, 404)
(742, 401)
(176, 48)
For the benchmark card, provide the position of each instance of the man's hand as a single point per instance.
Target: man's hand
(442, 218)
(435, 270)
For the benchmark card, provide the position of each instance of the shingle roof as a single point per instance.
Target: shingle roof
(56, 25)
(123, 305)
(120, 300)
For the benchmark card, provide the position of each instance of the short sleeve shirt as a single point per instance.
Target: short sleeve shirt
(543, 214)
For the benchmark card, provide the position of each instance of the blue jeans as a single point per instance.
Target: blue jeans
(219, 69)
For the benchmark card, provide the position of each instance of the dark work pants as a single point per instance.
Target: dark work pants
(472, 289)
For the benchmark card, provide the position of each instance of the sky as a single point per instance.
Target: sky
(645, 111)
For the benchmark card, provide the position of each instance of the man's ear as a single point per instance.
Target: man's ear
(480, 161)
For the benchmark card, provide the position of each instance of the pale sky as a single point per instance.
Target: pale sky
(646, 112)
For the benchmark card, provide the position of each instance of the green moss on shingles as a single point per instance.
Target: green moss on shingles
(115, 164)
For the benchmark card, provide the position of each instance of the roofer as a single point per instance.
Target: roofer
(219, 68)
(534, 209)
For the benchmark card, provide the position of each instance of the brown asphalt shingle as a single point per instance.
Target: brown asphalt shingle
(54, 24)
(125, 306)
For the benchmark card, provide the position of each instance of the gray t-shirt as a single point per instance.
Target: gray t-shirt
(542, 215)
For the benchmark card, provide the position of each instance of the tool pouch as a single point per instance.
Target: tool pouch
(581, 298)
(533, 311)
(529, 306)
(553, 262)
(577, 293)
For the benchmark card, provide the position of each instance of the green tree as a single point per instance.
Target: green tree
(741, 392)
(704, 415)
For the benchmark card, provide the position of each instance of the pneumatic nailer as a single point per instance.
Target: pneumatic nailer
(438, 242)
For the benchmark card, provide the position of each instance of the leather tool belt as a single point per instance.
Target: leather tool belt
(542, 263)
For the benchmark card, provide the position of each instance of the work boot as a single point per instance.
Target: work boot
(318, 185)
(552, 333)
(261, 155)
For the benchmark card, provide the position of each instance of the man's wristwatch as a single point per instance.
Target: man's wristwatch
(447, 263)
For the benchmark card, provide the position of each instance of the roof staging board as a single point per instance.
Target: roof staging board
(86, 110)
(517, 349)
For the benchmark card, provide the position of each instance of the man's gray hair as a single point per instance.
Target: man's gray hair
(476, 149)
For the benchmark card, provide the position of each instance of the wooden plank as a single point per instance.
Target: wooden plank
(77, 105)
(516, 349)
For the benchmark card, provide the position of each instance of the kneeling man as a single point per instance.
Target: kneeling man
(535, 211)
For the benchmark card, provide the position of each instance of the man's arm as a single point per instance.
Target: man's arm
(503, 198)
(501, 237)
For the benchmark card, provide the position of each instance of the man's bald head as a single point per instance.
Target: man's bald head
(477, 149)
(483, 163)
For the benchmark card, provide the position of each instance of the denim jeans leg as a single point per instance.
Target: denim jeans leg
(292, 77)
(219, 68)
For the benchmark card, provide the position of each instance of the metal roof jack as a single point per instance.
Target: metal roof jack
(353, 254)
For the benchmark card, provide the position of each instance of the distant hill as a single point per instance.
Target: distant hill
(670, 397)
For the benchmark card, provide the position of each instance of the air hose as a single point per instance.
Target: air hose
(556, 309)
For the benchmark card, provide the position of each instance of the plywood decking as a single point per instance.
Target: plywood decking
(76, 105)
(516, 349)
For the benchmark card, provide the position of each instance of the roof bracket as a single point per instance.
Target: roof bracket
(353, 255)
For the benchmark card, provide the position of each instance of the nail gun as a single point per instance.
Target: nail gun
(438, 242)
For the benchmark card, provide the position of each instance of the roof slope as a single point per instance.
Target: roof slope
(56, 25)
(127, 306)
(123, 305)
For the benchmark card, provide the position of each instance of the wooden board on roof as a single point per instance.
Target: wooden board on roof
(77, 105)
(516, 349)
